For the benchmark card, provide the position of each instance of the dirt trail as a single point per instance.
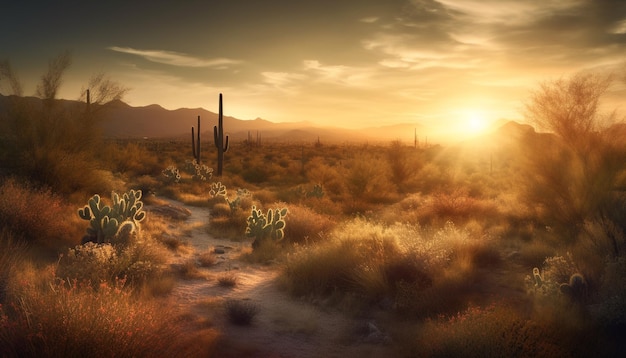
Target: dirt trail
(284, 327)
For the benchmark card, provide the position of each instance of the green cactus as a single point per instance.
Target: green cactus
(217, 189)
(262, 227)
(195, 144)
(220, 143)
(202, 172)
(537, 277)
(105, 221)
(171, 174)
(576, 288)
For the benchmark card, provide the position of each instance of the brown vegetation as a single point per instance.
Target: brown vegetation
(441, 242)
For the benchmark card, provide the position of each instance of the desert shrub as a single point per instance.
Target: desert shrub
(227, 279)
(534, 252)
(361, 258)
(131, 158)
(326, 175)
(241, 313)
(256, 174)
(455, 206)
(59, 318)
(35, 214)
(305, 225)
(12, 252)
(265, 196)
(267, 252)
(207, 259)
(189, 270)
(94, 263)
(575, 174)
(398, 164)
(221, 210)
(53, 143)
(611, 311)
(494, 331)
(365, 181)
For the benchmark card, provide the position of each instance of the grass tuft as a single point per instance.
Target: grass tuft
(241, 313)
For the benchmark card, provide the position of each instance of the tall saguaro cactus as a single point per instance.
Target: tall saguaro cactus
(195, 145)
(218, 137)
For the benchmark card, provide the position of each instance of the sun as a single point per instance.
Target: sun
(474, 122)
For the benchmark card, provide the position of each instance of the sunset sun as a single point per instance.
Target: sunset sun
(474, 122)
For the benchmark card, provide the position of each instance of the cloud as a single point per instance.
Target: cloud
(369, 20)
(176, 58)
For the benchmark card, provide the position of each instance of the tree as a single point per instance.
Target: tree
(52, 144)
(574, 177)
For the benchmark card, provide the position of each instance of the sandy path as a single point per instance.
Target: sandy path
(283, 327)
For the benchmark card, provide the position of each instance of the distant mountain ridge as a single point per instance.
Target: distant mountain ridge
(120, 120)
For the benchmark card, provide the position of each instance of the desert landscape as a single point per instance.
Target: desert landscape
(507, 244)
(403, 178)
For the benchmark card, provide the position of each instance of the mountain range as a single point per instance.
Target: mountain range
(120, 120)
(154, 121)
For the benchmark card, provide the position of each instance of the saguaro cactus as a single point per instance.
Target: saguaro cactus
(218, 137)
(195, 145)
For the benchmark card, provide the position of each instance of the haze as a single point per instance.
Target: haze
(455, 65)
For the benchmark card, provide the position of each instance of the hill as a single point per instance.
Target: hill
(120, 120)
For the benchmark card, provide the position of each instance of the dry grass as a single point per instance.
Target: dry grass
(207, 259)
(241, 313)
(424, 273)
(227, 279)
(138, 262)
(51, 317)
(266, 253)
(38, 215)
(189, 270)
(304, 225)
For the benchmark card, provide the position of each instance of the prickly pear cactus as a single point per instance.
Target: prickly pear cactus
(256, 223)
(217, 189)
(537, 277)
(171, 174)
(105, 221)
(262, 227)
(101, 225)
(128, 207)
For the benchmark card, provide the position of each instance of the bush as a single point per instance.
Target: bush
(37, 215)
(359, 258)
(303, 225)
(241, 313)
(59, 318)
(11, 255)
(94, 263)
(493, 331)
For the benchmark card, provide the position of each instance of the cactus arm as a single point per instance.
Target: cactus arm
(218, 137)
(84, 213)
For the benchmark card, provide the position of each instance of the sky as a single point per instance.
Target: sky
(450, 64)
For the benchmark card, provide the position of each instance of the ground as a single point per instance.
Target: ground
(284, 326)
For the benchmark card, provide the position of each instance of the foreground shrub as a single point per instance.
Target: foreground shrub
(494, 331)
(95, 263)
(417, 272)
(37, 215)
(11, 254)
(241, 313)
(359, 258)
(304, 225)
(59, 318)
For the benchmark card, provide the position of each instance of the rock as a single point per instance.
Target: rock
(171, 211)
